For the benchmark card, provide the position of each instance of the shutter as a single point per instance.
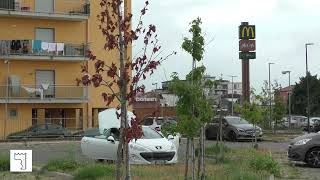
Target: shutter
(46, 6)
(46, 77)
(45, 34)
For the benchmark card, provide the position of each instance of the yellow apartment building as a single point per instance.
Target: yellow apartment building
(43, 44)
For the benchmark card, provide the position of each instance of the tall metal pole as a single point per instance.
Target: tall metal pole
(7, 99)
(270, 109)
(308, 89)
(232, 88)
(289, 97)
(289, 101)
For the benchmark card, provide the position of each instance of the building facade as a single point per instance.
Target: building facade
(43, 44)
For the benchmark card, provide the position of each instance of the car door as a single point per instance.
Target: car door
(99, 147)
(212, 129)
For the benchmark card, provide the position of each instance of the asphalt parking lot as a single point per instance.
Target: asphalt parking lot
(45, 151)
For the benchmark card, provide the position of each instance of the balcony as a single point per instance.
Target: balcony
(36, 50)
(38, 94)
(70, 10)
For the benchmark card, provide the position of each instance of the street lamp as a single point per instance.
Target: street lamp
(308, 89)
(270, 109)
(232, 94)
(289, 96)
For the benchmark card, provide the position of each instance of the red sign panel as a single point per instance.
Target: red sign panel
(247, 45)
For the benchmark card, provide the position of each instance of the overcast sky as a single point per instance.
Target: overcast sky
(282, 29)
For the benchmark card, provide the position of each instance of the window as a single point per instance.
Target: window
(13, 113)
(45, 34)
(147, 122)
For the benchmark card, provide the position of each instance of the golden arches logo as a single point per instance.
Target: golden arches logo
(248, 31)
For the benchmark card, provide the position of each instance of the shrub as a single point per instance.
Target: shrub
(265, 163)
(94, 171)
(4, 162)
(61, 165)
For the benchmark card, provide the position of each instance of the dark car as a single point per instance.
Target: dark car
(157, 123)
(41, 130)
(306, 148)
(234, 128)
(90, 132)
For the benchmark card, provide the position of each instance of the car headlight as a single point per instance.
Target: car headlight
(137, 147)
(173, 147)
(302, 142)
(240, 130)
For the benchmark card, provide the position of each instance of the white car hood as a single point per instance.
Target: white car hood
(153, 144)
(108, 119)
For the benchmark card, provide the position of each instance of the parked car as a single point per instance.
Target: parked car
(151, 148)
(41, 130)
(306, 148)
(90, 132)
(158, 123)
(234, 128)
(316, 126)
(313, 120)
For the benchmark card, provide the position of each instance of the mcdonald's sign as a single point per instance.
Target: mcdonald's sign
(247, 32)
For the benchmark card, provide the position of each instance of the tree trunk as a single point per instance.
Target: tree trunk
(123, 91)
(193, 159)
(187, 160)
(203, 154)
(199, 156)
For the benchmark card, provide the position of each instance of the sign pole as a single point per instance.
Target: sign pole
(247, 46)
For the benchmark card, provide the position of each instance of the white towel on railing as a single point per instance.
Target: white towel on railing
(52, 47)
(33, 90)
(60, 46)
(44, 46)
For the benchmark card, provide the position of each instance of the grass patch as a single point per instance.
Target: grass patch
(4, 162)
(93, 172)
(264, 162)
(63, 165)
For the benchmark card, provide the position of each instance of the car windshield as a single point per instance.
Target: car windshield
(149, 133)
(236, 120)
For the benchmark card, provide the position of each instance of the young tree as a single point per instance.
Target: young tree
(279, 108)
(254, 114)
(193, 110)
(115, 25)
(195, 47)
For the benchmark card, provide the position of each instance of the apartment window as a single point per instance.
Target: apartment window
(45, 34)
(46, 79)
(13, 113)
(46, 6)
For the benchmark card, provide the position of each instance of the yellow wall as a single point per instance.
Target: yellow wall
(23, 28)
(65, 72)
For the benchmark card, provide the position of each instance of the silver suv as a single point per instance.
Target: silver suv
(234, 128)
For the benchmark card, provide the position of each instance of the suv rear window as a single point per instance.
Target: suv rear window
(147, 122)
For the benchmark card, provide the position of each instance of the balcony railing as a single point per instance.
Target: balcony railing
(54, 9)
(40, 94)
(37, 49)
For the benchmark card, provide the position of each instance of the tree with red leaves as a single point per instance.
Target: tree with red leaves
(115, 25)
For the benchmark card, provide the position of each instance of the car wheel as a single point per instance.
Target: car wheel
(232, 136)
(207, 135)
(313, 158)
(100, 160)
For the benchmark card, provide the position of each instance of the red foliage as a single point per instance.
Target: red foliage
(111, 23)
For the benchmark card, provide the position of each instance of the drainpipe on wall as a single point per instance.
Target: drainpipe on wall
(7, 99)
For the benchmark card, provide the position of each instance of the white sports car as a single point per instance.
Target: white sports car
(151, 148)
